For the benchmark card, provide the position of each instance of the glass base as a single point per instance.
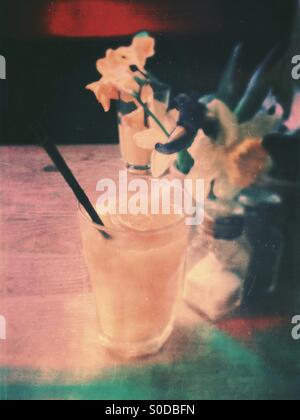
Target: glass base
(138, 170)
(137, 350)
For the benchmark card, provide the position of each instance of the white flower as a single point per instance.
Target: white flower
(236, 158)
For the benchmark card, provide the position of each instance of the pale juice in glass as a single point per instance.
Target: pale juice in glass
(137, 277)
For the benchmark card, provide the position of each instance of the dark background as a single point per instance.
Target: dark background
(51, 48)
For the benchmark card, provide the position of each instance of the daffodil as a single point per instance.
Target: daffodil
(118, 80)
(124, 88)
(142, 48)
(114, 64)
(246, 162)
(236, 158)
(105, 92)
(121, 59)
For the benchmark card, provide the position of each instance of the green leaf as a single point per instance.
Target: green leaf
(227, 90)
(184, 162)
(259, 87)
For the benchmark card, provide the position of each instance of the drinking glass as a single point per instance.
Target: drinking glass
(137, 159)
(137, 278)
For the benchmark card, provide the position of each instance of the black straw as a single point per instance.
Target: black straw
(70, 179)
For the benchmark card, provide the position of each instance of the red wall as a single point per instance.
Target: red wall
(94, 18)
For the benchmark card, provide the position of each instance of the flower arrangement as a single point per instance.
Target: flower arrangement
(221, 138)
(125, 79)
(233, 146)
(123, 73)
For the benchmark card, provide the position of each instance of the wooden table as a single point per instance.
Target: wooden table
(45, 295)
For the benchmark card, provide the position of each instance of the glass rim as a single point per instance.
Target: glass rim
(128, 230)
(160, 87)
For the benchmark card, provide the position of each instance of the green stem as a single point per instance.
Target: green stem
(153, 116)
(184, 160)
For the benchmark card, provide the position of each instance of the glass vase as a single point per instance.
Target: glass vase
(132, 119)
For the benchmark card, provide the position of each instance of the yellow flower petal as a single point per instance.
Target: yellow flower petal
(206, 171)
(147, 94)
(160, 163)
(119, 79)
(135, 119)
(127, 84)
(144, 48)
(229, 123)
(224, 189)
(93, 87)
(124, 55)
(246, 162)
(126, 97)
(105, 92)
(114, 64)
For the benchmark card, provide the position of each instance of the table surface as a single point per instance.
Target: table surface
(52, 348)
